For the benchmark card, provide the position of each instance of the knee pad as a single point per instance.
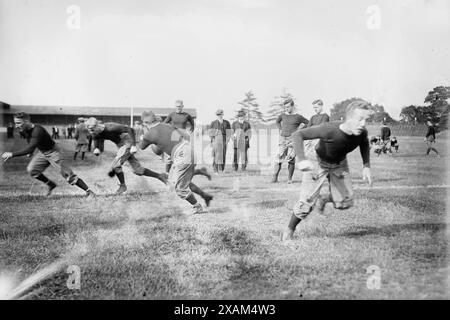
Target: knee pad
(33, 173)
(72, 179)
(117, 169)
(183, 194)
(302, 209)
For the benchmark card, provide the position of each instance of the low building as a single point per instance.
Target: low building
(63, 116)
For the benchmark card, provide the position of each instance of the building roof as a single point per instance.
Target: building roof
(87, 111)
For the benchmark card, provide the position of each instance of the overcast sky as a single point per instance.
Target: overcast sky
(208, 53)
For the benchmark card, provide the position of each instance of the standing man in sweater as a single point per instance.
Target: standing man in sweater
(179, 119)
(49, 154)
(288, 122)
(219, 132)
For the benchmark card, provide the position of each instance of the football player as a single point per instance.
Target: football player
(335, 142)
(175, 142)
(124, 137)
(49, 154)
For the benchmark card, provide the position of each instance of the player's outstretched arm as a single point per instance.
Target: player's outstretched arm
(364, 147)
(367, 175)
(29, 149)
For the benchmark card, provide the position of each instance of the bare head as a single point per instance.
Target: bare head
(93, 126)
(288, 105)
(356, 115)
(179, 105)
(317, 106)
(148, 118)
(21, 120)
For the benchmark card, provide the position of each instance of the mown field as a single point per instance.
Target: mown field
(143, 245)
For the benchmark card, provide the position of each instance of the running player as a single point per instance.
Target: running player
(124, 137)
(336, 141)
(49, 154)
(287, 123)
(430, 138)
(175, 142)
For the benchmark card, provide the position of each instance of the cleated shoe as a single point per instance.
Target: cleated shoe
(90, 194)
(122, 189)
(208, 199)
(197, 209)
(51, 185)
(287, 235)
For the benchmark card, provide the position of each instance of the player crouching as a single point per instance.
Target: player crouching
(175, 142)
(49, 154)
(394, 144)
(335, 142)
(124, 138)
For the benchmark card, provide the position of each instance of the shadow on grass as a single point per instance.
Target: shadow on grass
(133, 195)
(233, 240)
(271, 204)
(390, 230)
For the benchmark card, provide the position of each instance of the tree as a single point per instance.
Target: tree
(409, 114)
(276, 106)
(380, 115)
(251, 108)
(438, 105)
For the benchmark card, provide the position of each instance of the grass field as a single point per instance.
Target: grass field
(142, 245)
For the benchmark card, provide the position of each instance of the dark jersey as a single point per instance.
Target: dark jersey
(118, 133)
(385, 133)
(180, 120)
(318, 119)
(431, 132)
(37, 137)
(334, 144)
(164, 136)
(288, 123)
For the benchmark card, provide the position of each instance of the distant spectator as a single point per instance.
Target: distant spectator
(385, 134)
(100, 141)
(430, 138)
(64, 132)
(81, 136)
(55, 133)
(394, 144)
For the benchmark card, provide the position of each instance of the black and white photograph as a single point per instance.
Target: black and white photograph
(224, 150)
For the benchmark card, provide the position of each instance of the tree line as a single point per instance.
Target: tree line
(436, 109)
